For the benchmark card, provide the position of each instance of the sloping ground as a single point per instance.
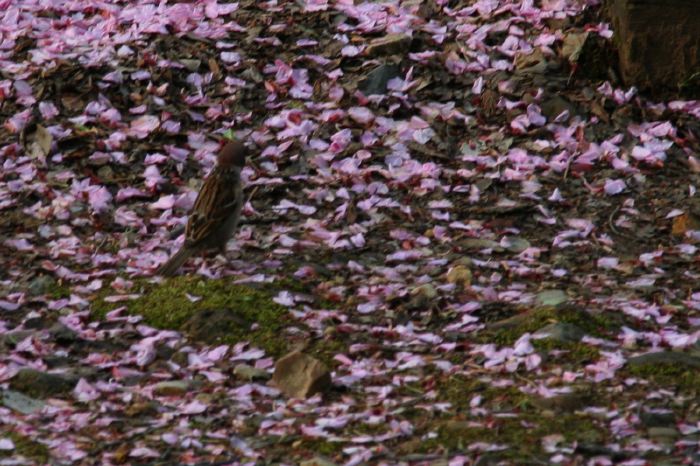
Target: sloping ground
(450, 205)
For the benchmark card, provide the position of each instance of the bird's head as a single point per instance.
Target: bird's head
(232, 155)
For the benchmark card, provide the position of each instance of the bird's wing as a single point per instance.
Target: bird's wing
(215, 203)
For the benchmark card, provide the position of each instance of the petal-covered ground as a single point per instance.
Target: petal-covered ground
(453, 204)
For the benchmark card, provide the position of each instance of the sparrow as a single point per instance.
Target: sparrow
(217, 209)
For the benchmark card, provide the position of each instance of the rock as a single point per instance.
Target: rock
(459, 275)
(651, 419)
(164, 352)
(212, 325)
(180, 358)
(299, 375)
(560, 331)
(246, 372)
(20, 403)
(665, 357)
(516, 244)
(551, 298)
(422, 296)
(389, 45)
(40, 285)
(663, 432)
(171, 388)
(566, 402)
(473, 244)
(427, 9)
(594, 449)
(426, 290)
(37, 323)
(659, 42)
(142, 408)
(555, 106)
(317, 461)
(42, 385)
(10, 339)
(377, 80)
(191, 64)
(54, 361)
(510, 322)
(62, 334)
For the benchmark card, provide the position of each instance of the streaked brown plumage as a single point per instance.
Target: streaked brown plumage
(216, 210)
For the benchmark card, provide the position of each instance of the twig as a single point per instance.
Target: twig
(252, 193)
(610, 220)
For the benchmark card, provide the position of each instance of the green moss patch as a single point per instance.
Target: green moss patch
(573, 353)
(507, 332)
(522, 434)
(58, 290)
(319, 447)
(25, 447)
(521, 429)
(459, 391)
(224, 312)
(671, 376)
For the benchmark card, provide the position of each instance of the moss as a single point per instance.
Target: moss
(459, 391)
(576, 353)
(58, 290)
(671, 376)
(522, 432)
(326, 349)
(25, 447)
(535, 319)
(225, 313)
(319, 447)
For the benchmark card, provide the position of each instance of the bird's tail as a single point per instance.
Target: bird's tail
(175, 262)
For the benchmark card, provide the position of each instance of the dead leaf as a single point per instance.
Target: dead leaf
(683, 223)
(680, 225)
(534, 59)
(38, 142)
(573, 45)
(73, 103)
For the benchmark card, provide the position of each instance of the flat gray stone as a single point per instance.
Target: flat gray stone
(566, 402)
(40, 285)
(16, 401)
(247, 372)
(389, 45)
(551, 297)
(560, 331)
(317, 461)
(661, 432)
(377, 80)
(665, 357)
(34, 383)
(171, 388)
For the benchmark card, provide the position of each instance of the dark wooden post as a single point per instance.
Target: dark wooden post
(659, 43)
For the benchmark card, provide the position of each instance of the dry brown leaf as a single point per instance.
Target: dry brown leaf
(38, 143)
